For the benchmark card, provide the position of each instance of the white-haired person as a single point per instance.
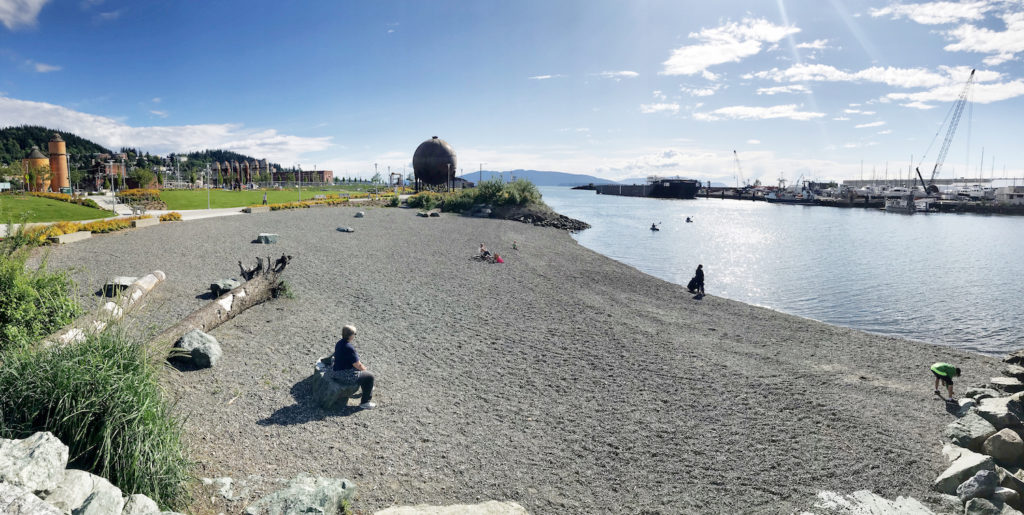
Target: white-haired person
(348, 368)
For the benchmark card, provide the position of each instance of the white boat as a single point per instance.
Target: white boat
(904, 204)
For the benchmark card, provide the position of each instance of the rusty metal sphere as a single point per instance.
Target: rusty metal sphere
(434, 161)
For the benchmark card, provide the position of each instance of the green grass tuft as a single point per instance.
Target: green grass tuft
(101, 398)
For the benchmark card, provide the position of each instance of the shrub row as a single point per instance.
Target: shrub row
(40, 235)
(138, 194)
(334, 201)
(82, 201)
(173, 216)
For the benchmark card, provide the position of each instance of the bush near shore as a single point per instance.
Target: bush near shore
(40, 235)
(138, 195)
(81, 201)
(173, 216)
(493, 192)
(102, 397)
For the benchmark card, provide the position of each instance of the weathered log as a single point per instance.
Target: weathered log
(262, 284)
(112, 311)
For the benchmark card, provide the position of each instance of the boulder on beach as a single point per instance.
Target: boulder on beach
(982, 484)
(306, 494)
(222, 286)
(979, 394)
(199, 349)
(15, 500)
(35, 463)
(80, 490)
(1007, 384)
(328, 393)
(963, 468)
(970, 431)
(1006, 447)
(997, 411)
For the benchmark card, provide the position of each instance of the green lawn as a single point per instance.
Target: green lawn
(35, 209)
(196, 199)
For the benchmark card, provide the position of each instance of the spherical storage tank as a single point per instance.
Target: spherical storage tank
(433, 160)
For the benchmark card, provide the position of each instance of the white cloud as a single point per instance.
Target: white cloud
(699, 92)
(918, 105)
(795, 88)
(858, 111)
(789, 111)
(16, 13)
(109, 15)
(619, 75)
(161, 114)
(817, 44)
(869, 124)
(1004, 45)
(897, 77)
(545, 77)
(728, 43)
(981, 93)
(659, 108)
(112, 133)
(841, 118)
(658, 95)
(935, 13)
(753, 142)
(886, 131)
(43, 67)
(157, 100)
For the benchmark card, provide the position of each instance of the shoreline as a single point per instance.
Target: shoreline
(562, 380)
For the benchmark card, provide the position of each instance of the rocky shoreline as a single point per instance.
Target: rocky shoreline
(561, 379)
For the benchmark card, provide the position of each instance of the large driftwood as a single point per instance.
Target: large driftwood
(262, 283)
(111, 311)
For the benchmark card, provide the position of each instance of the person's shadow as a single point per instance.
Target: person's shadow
(305, 408)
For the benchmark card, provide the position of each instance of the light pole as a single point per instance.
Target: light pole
(206, 182)
(300, 181)
(480, 178)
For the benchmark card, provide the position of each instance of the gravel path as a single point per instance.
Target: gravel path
(562, 380)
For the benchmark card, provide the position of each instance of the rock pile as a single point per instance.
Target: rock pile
(986, 448)
(34, 480)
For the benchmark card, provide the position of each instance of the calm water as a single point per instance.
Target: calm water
(940, 278)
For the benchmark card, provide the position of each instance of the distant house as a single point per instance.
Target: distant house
(459, 182)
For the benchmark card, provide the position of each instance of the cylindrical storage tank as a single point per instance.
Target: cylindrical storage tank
(59, 177)
(37, 161)
(434, 161)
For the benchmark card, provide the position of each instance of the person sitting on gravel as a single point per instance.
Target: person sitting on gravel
(484, 253)
(348, 368)
(945, 372)
(497, 258)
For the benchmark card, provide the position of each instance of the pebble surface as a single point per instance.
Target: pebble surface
(561, 379)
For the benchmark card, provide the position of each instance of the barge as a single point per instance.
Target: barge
(656, 187)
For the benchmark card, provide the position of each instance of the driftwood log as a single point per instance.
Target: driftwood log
(262, 283)
(111, 311)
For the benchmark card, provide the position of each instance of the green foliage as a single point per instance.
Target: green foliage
(393, 202)
(459, 202)
(38, 209)
(106, 183)
(142, 177)
(16, 143)
(33, 303)
(103, 399)
(425, 200)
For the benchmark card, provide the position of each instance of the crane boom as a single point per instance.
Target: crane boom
(958, 109)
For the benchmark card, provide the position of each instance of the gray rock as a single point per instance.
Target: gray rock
(1016, 358)
(346, 229)
(73, 490)
(104, 499)
(981, 507)
(982, 484)
(1009, 480)
(139, 504)
(1006, 447)
(511, 508)
(266, 237)
(360, 214)
(964, 406)
(222, 286)
(1016, 405)
(1013, 371)
(15, 500)
(1006, 384)
(225, 487)
(969, 431)
(435, 214)
(117, 285)
(963, 468)
(997, 411)
(203, 349)
(424, 214)
(36, 463)
(1007, 496)
(328, 393)
(980, 393)
(306, 494)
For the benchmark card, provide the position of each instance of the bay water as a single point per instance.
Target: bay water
(950, 279)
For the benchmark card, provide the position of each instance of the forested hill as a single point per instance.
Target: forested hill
(208, 156)
(17, 142)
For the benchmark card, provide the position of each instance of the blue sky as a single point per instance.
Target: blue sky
(609, 88)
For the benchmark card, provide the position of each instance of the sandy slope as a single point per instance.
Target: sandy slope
(562, 379)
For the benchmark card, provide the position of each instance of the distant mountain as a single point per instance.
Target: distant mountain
(540, 178)
(17, 142)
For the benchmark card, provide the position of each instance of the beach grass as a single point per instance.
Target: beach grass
(102, 398)
(36, 209)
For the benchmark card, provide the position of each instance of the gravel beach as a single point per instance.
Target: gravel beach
(561, 379)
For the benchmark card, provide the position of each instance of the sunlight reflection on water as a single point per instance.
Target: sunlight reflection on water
(941, 278)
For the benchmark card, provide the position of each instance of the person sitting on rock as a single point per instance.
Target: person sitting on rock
(945, 372)
(348, 368)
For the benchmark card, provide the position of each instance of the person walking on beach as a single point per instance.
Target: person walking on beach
(945, 372)
(264, 198)
(696, 285)
(348, 368)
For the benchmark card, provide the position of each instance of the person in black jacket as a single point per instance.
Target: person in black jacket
(698, 280)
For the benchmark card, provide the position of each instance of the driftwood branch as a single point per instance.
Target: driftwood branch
(262, 283)
(111, 311)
